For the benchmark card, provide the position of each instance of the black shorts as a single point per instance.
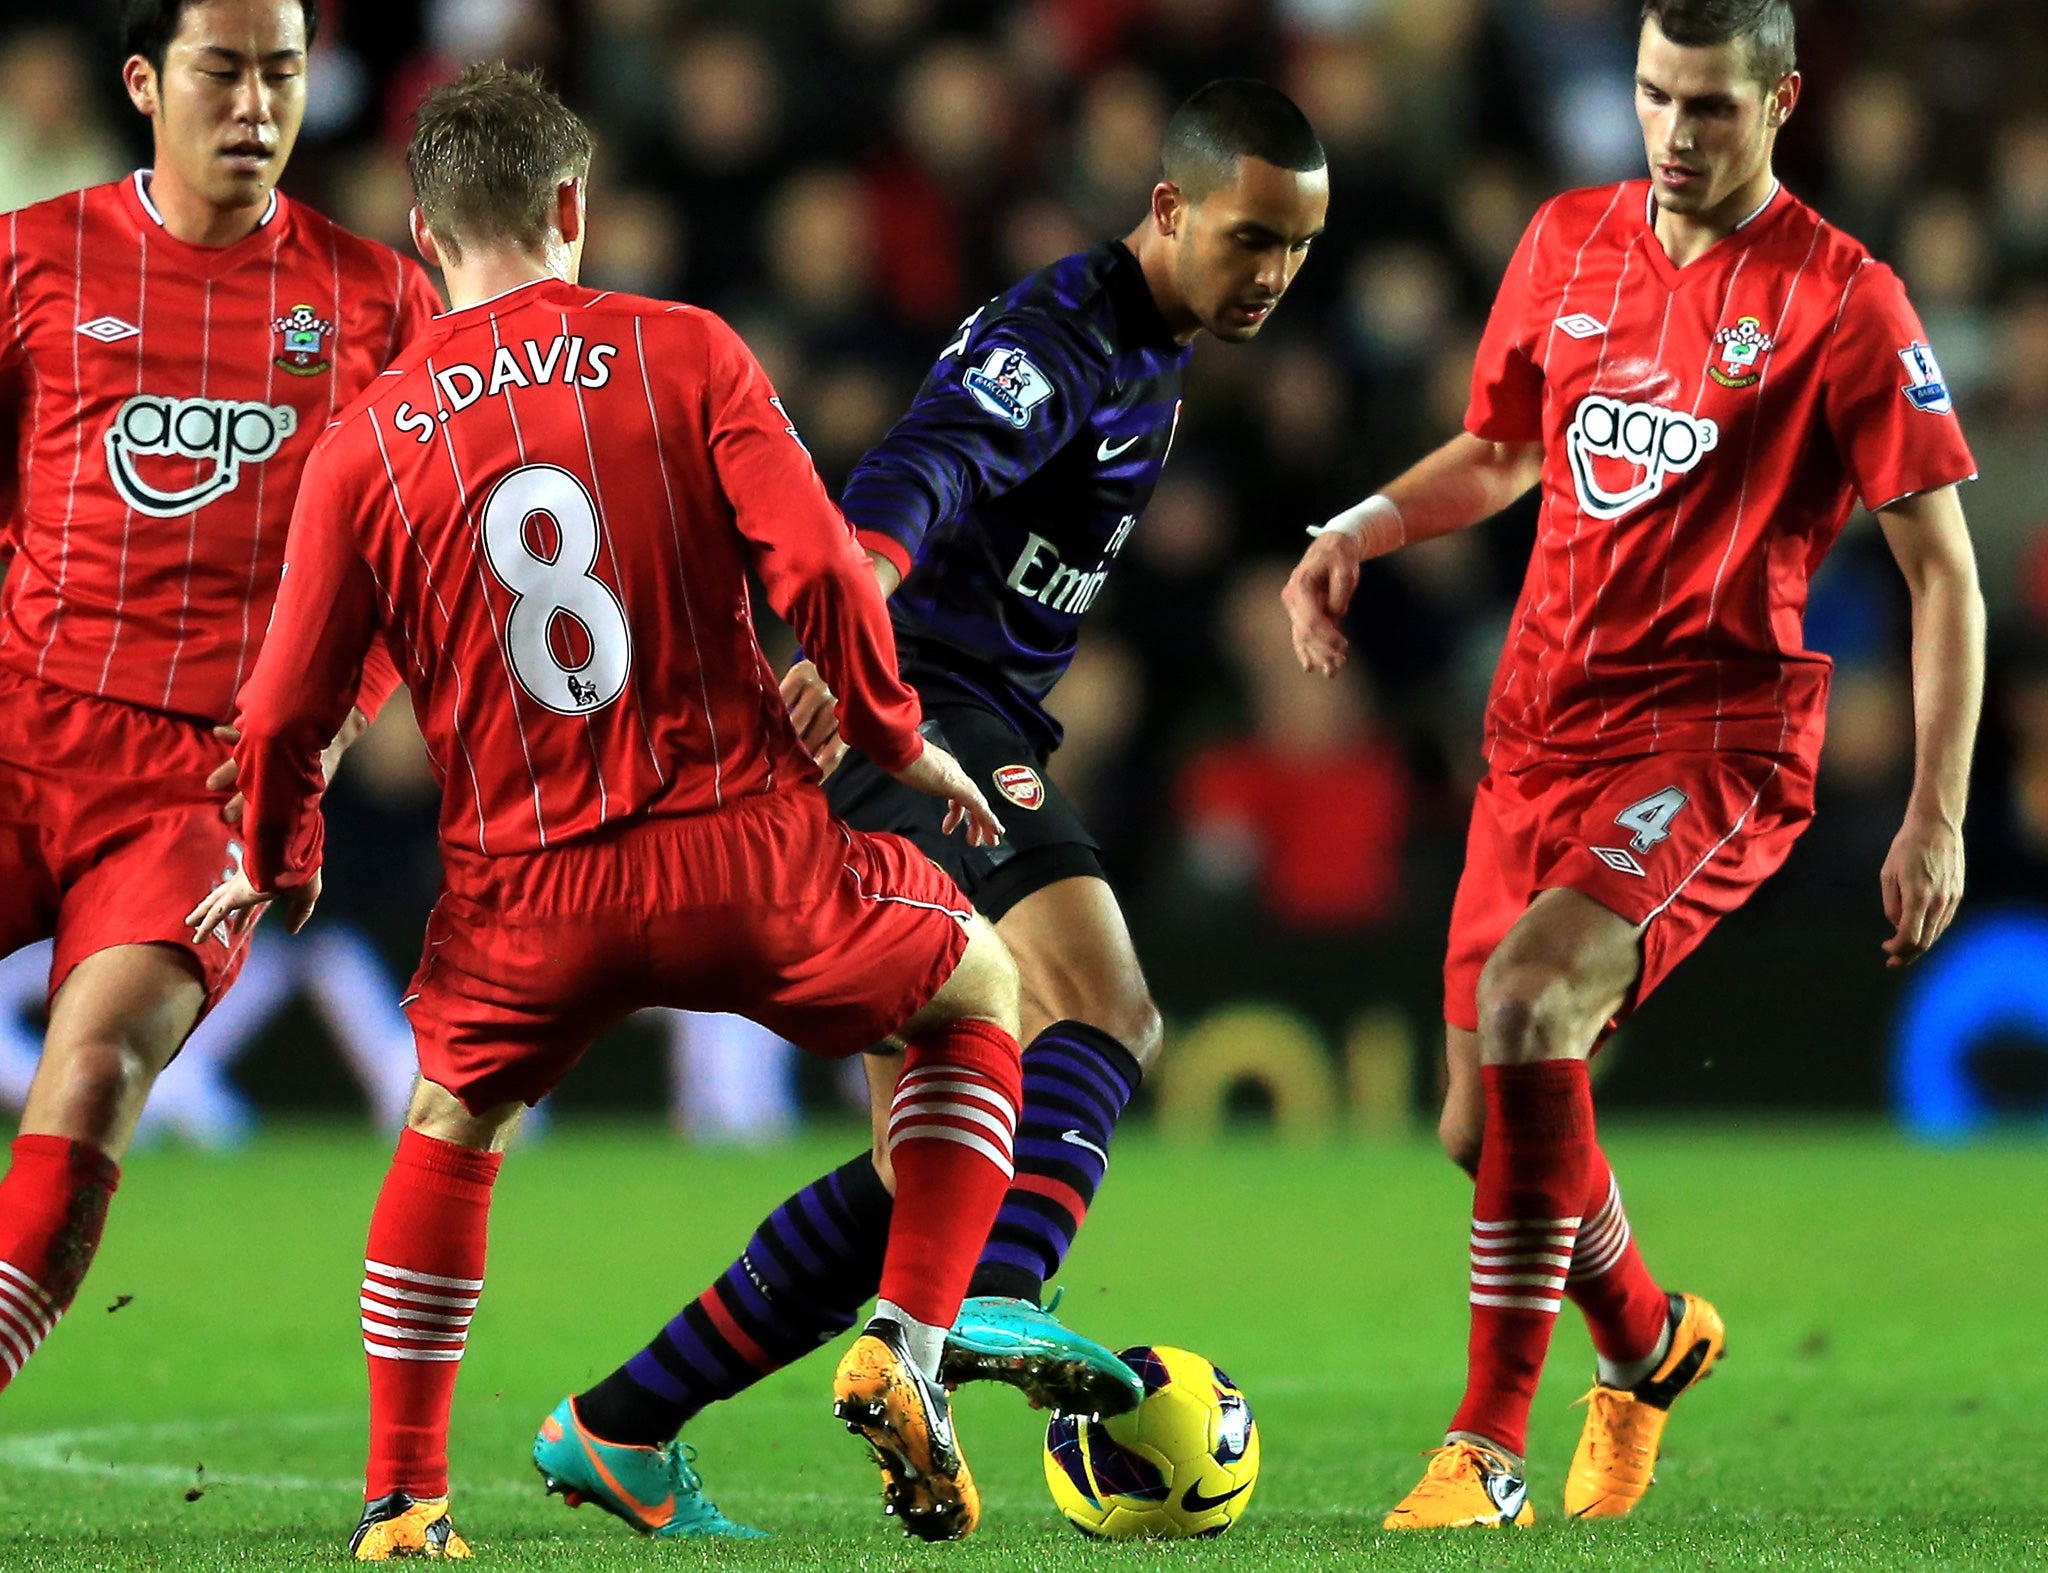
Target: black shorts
(1045, 841)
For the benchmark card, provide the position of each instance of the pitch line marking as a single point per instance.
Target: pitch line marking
(63, 1453)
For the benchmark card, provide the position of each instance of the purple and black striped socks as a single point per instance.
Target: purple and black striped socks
(1077, 1082)
(805, 1274)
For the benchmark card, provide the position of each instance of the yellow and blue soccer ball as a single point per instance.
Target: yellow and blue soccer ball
(1183, 1463)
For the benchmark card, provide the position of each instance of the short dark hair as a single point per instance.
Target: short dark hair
(1230, 119)
(148, 26)
(488, 151)
(1765, 25)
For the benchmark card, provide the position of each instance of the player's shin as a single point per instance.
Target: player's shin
(53, 1207)
(952, 1133)
(423, 1274)
(1626, 1312)
(1078, 1081)
(1533, 1171)
(801, 1281)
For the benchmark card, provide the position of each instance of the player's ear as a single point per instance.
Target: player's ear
(569, 210)
(139, 77)
(1783, 97)
(423, 240)
(1167, 206)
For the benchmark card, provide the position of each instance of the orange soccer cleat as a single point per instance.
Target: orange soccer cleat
(1617, 1455)
(405, 1526)
(904, 1418)
(1467, 1486)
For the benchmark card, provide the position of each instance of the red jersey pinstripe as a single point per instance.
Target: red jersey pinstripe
(164, 398)
(1707, 431)
(549, 505)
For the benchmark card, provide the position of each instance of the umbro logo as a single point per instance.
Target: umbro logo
(1581, 326)
(109, 330)
(1620, 859)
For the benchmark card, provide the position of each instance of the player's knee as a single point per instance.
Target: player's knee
(103, 1074)
(1459, 1134)
(439, 1113)
(985, 983)
(1124, 1010)
(1141, 1029)
(1527, 1012)
(885, 1171)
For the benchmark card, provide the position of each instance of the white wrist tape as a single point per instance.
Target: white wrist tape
(1376, 523)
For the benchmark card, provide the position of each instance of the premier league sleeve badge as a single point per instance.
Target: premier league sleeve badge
(1008, 386)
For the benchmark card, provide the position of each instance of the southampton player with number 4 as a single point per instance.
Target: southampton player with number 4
(170, 346)
(1704, 377)
(994, 510)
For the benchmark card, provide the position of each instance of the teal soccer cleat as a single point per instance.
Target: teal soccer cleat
(1000, 1339)
(652, 1488)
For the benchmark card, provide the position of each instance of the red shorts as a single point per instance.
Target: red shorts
(768, 908)
(108, 835)
(1670, 842)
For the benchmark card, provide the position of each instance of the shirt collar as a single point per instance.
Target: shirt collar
(149, 206)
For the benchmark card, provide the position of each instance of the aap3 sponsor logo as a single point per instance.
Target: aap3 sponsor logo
(1622, 453)
(223, 433)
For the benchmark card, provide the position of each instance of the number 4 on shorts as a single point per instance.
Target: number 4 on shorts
(1651, 818)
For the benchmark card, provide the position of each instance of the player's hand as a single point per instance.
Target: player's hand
(1317, 596)
(235, 895)
(1923, 886)
(229, 771)
(814, 711)
(938, 774)
(353, 727)
(226, 774)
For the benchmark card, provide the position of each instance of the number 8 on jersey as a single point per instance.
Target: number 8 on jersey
(547, 589)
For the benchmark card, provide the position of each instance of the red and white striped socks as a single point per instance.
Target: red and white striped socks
(952, 1133)
(1626, 1312)
(422, 1276)
(1533, 1171)
(53, 1209)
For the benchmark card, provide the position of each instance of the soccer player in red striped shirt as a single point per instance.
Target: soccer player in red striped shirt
(170, 346)
(1704, 377)
(549, 506)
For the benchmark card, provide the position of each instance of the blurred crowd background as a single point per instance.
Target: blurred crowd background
(845, 179)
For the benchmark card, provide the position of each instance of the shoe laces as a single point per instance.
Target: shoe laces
(1450, 1463)
(677, 1457)
(1612, 1431)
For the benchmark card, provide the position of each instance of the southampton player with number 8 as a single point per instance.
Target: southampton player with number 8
(559, 557)
(1704, 377)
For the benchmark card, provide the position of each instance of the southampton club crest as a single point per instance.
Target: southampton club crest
(1739, 349)
(302, 342)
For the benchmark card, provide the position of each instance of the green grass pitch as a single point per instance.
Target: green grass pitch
(1885, 1404)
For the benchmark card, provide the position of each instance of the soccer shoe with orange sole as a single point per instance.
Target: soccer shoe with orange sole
(904, 1418)
(1617, 1455)
(1466, 1486)
(654, 1489)
(403, 1526)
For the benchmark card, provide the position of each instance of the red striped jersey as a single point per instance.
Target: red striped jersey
(163, 398)
(1706, 432)
(549, 505)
